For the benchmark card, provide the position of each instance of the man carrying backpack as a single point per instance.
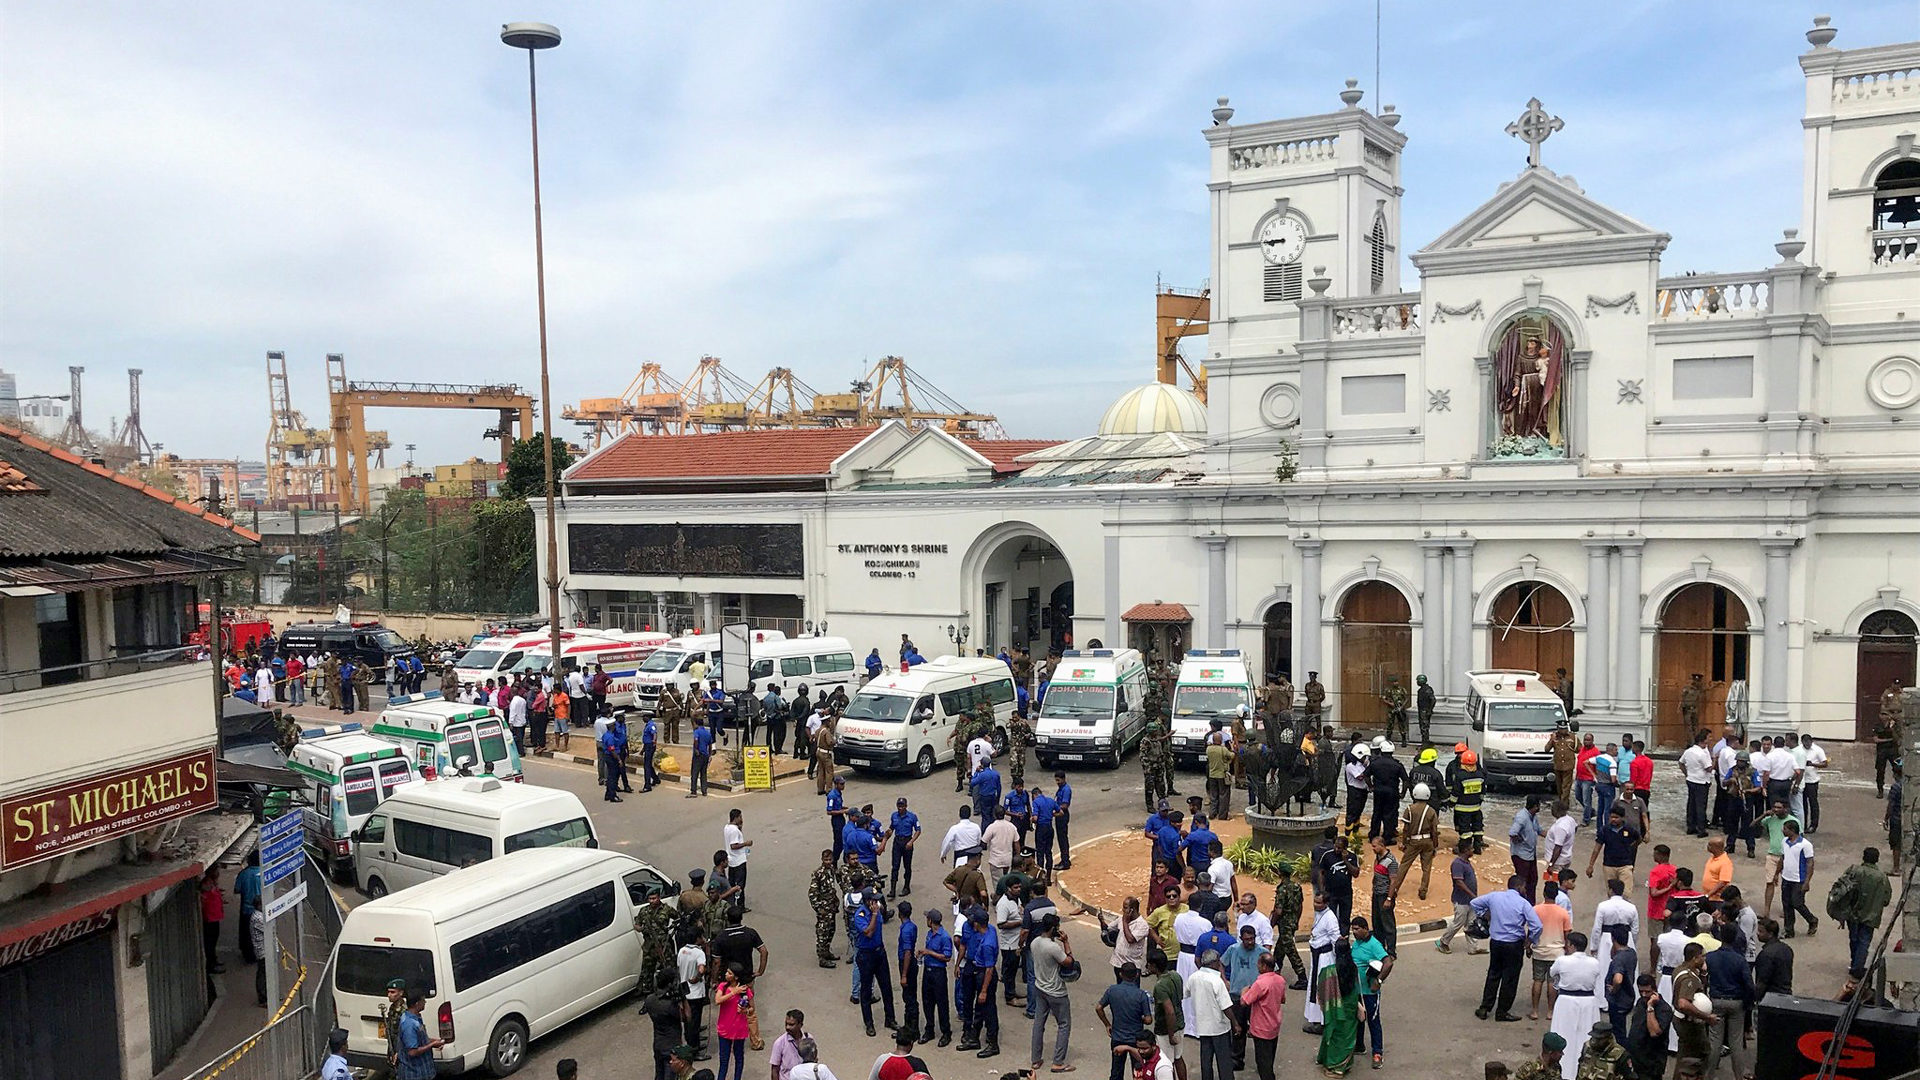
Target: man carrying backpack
(1856, 900)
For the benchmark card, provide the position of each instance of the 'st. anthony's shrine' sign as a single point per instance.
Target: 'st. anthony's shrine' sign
(41, 824)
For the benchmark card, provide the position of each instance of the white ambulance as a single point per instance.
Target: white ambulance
(1092, 709)
(819, 663)
(1510, 715)
(1213, 684)
(620, 655)
(904, 720)
(348, 775)
(672, 664)
(439, 736)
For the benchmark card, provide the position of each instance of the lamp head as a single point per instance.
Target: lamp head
(530, 35)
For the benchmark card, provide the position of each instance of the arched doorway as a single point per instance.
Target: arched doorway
(1885, 658)
(1530, 627)
(1376, 644)
(1276, 639)
(1702, 631)
(1023, 593)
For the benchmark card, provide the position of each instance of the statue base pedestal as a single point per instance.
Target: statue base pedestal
(1292, 834)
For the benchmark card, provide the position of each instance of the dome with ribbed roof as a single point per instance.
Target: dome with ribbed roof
(1153, 409)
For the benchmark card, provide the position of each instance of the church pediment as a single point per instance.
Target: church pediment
(930, 455)
(1540, 216)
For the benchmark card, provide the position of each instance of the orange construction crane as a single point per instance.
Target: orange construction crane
(1180, 313)
(352, 441)
(780, 400)
(649, 404)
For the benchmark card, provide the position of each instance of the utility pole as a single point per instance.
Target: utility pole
(255, 557)
(293, 574)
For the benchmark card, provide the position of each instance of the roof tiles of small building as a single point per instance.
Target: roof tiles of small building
(767, 454)
(84, 509)
(1158, 612)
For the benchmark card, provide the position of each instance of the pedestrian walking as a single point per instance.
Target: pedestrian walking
(1262, 1003)
(1466, 886)
(1374, 963)
(1211, 1023)
(213, 912)
(415, 1052)
(903, 833)
(738, 847)
(612, 747)
(1859, 898)
(1576, 979)
(1512, 926)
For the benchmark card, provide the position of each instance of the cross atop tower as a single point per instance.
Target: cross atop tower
(1533, 128)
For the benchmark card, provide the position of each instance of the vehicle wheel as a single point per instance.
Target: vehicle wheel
(923, 765)
(507, 1048)
(1045, 761)
(999, 741)
(376, 888)
(1118, 751)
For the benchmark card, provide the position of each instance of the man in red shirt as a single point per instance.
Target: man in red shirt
(1661, 882)
(1583, 792)
(1640, 771)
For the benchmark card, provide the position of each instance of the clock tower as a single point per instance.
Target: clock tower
(1289, 197)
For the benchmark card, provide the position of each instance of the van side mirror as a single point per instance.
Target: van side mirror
(1574, 726)
(1479, 724)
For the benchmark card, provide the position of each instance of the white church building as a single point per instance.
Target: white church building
(1548, 453)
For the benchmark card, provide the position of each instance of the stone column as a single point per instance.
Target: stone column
(1306, 607)
(1629, 689)
(1595, 687)
(1110, 594)
(1460, 619)
(1216, 591)
(1433, 632)
(709, 605)
(1773, 633)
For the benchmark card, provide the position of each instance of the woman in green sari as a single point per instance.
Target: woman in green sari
(1340, 1001)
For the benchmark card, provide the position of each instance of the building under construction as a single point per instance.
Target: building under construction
(713, 398)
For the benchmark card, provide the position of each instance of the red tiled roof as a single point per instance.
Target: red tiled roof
(1002, 452)
(15, 482)
(721, 455)
(1157, 612)
(33, 442)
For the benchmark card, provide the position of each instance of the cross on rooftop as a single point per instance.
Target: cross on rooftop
(1532, 128)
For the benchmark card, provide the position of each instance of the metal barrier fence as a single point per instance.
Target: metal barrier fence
(283, 1050)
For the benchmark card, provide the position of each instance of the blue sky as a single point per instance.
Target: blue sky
(988, 189)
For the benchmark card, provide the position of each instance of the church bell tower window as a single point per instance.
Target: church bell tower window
(1377, 254)
(1896, 213)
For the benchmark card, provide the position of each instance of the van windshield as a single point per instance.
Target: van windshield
(664, 660)
(1203, 700)
(480, 659)
(1525, 715)
(390, 641)
(574, 833)
(366, 969)
(887, 707)
(1078, 701)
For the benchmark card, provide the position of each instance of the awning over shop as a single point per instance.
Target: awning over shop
(1158, 612)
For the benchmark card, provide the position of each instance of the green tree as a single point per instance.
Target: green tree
(526, 468)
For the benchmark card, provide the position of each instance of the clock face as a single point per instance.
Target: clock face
(1283, 239)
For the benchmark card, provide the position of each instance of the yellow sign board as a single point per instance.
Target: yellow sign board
(758, 763)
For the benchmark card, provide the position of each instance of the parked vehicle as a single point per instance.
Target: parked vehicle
(505, 952)
(1091, 712)
(441, 737)
(366, 643)
(347, 775)
(1212, 685)
(620, 655)
(1510, 715)
(904, 720)
(822, 663)
(439, 826)
(672, 664)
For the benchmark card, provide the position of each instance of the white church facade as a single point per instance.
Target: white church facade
(1549, 454)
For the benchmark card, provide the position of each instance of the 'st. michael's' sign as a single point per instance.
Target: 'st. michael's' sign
(42, 824)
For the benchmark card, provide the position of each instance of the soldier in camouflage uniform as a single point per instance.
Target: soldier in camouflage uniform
(1602, 1058)
(1019, 739)
(655, 923)
(1156, 761)
(823, 895)
(963, 727)
(286, 732)
(396, 1004)
(1394, 697)
(1287, 904)
(1547, 1065)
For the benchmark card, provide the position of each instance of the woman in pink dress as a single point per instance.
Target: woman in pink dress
(735, 1002)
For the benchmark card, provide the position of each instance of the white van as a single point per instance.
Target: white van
(905, 720)
(505, 953)
(821, 663)
(347, 776)
(438, 735)
(620, 657)
(434, 828)
(491, 658)
(673, 661)
(1510, 715)
(1091, 712)
(1212, 685)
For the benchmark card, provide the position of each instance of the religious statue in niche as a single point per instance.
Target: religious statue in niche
(1529, 391)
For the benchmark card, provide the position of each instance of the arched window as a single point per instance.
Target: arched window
(1377, 252)
(1896, 213)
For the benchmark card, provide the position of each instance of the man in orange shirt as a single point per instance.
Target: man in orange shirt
(1719, 869)
(1555, 922)
(562, 706)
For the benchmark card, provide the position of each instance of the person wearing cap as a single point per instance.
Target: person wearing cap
(977, 984)
(1062, 815)
(1547, 1066)
(1420, 832)
(1602, 1055)
(1566, 752)
(1355, 770)
(335, 1066)
(390, 1020)
(1314, 697)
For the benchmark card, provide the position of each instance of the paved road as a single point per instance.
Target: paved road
(1428, 1004)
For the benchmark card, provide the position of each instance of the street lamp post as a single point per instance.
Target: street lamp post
(533, 37)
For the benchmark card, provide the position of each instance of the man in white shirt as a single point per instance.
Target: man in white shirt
(1615, 910)
(1210, 1017)
(1796, 806)
(517, 721)
(999, 840)
(1559, 839)
(1187, 929)
(1813, 759)
(962, 839)
(979, 754)
(263, 687)
(1220, 876)
(733, 840)
(1696, 764)
(691, 963)
(1796, 874)
(1251, 915)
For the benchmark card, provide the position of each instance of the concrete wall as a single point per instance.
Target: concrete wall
(437, 626)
